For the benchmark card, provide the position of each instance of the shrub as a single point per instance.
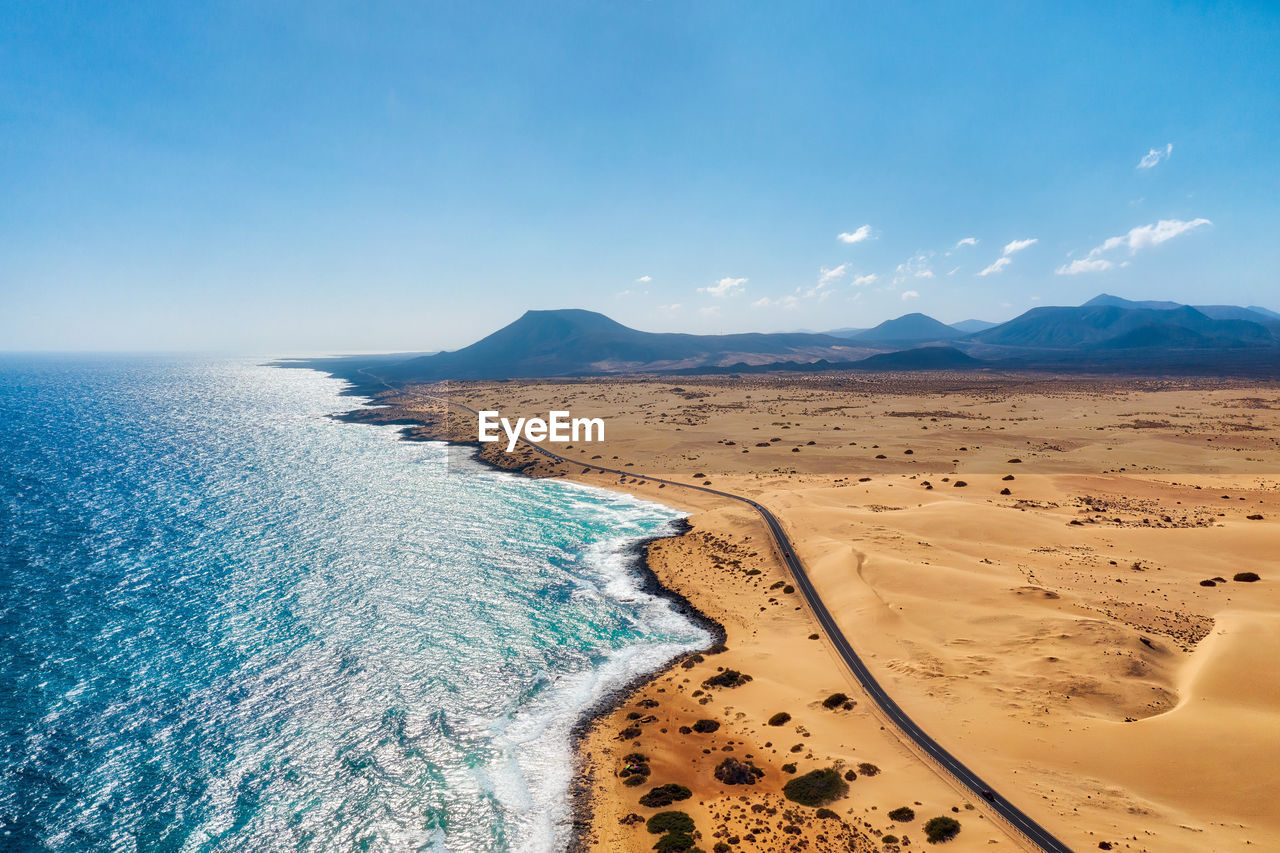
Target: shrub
(902, 814)
(780, 719)
(728, 678)
(731, 771)
(867, 769)
(788, 768)
(674, 842)
(849, 775)
(1246, 577)
(635, 781)
(827, 814)
(835, 700)
(705, 727)
(664, 822)
(1208, 583)
(665, 795)
(939, 829)
(889, 839)
(816, 788)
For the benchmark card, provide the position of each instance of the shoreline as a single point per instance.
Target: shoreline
(582, 783)
(581, 786)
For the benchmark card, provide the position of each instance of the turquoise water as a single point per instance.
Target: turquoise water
(232, 623)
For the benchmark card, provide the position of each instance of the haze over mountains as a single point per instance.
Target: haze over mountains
(1106, 333)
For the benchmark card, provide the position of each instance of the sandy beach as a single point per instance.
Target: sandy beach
(1050, 575)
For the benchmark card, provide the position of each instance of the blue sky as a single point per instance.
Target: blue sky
(281, 177)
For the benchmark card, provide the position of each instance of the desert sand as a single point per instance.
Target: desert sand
(1041, 571)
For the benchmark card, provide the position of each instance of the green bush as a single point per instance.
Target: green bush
(727, 678)
(665, 795)
(903, 814)
(674, 842)
(664, 822)
(827, 814)
(835, 700)
(889, 839)
(939, 829)
(1246, 577)
(816, 788)
(705, 727)
(780, 719)
(868, 769)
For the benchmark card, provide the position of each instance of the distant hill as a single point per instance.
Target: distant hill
(1253, 314)
(1105, 299)
(1108, 333)
(921, 358)
(909, 327)
(1091, 325)
(573, 342)
(968, 327)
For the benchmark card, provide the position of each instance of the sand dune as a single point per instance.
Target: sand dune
(1040, 570)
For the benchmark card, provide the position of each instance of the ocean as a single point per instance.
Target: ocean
(231, 622)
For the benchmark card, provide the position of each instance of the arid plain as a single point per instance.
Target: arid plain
(1041, 570)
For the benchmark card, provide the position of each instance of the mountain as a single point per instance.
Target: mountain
(921, 358)
(909, 327)
(1106, 299)
(573, 342)
(1253, 314)
(1091, 325)
(847, 332)
(968, 327)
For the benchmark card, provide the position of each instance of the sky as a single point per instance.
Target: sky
(290, 178)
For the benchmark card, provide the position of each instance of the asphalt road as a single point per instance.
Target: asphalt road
(1033, 831)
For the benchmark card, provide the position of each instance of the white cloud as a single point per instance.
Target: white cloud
(864, 280)
(967, 241)
(1010, 248)
(709, 311)
(917, 266)
(1145, 236)
(1154, 156)
(857, 236)
(645, 279)
(674, 306)
(829, 276)
(787, 302)
(724, 287)
(954, 271)
(1141, 237)
(909, 295)
(996, 265)
(622, 293)
(1081, 265)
